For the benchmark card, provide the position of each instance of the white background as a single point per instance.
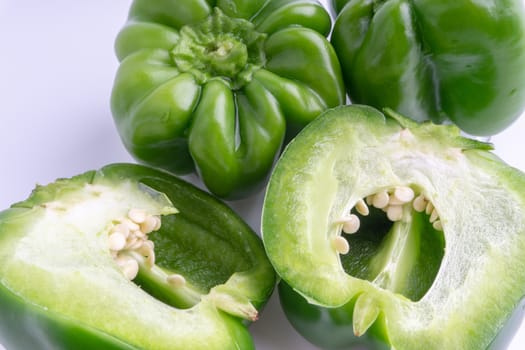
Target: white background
(57, 66)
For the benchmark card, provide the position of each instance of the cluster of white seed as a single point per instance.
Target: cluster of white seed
(129, 237)
(421, 204)
(392, 202)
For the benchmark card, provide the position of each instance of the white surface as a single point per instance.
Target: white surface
(56, 72)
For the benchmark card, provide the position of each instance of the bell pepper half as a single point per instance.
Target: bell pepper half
(217, 87)
(458, 61)
(128, 257)
(396, 234)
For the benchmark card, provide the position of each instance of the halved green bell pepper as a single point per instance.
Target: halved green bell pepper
(395, 234)
(88, 263)
(459, 61)
(215, 86)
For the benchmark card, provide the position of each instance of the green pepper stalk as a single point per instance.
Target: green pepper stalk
(454, 61)
(217, 87)
(395, 234)
(128, 257)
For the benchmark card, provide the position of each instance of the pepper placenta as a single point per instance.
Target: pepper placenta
(218, 86)
(395, 234)
(128, 257)
(459, 61)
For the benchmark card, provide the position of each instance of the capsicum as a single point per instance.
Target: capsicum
(395, 234)
(446, 61)
(128, 257)
(216, 87)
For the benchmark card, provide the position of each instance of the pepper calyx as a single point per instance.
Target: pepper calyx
(220, 46)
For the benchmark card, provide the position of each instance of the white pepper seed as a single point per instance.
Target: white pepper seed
(137, 215)
(149, 224)
(122, 228)
(340, 245)
(131, 269)
(434, 215)
(136, 244)
(132, 226)
(122, 260)
(150, 259)
(128, 265)
(394, 212)
(361, 207)
(393, 200)
(380, 199)
(116, 241)
(157, 223)
(150, 244)
(138, 233)
(351, 224)
(419, 204)
(131, 241)
(145, 249)
(437, 225)
(404, 194)
(176, 280)
(429, 208)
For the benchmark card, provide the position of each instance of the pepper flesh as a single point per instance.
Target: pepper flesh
(61, 287)
(406, 284)
(219, 86)
(435, 60)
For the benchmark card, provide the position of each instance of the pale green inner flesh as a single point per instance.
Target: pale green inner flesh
(403, 257)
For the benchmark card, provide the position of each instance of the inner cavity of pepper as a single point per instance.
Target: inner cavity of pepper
(394, 239)
(134, 254)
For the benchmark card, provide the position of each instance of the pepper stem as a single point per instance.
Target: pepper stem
(220, 46)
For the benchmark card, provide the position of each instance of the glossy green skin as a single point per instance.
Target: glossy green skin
(185, 244)
(331, 328)
(325, 327)
(227, 119)
(459, 61)
(348, 153)
(337, 5)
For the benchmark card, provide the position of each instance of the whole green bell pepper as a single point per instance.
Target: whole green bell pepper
(395, 234)
(459, 61)
(215, 86)
(88, 263)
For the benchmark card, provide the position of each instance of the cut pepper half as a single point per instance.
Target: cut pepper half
(406, 233)
(128, 257)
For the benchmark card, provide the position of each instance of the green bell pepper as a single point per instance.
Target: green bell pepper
(218, 86)
(395, 234)
(337, 5)
(85, 263)
(458, 61)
